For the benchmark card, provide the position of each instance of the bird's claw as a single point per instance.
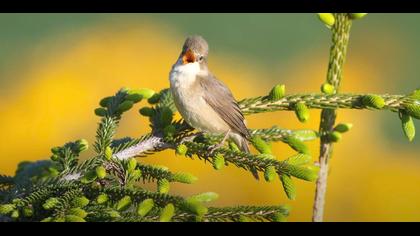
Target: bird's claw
(214, 147)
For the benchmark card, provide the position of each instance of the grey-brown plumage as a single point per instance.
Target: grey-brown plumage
(204, 102)
(219, 97)
(197, 44)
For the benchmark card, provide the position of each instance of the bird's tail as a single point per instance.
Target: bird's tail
(242, 144)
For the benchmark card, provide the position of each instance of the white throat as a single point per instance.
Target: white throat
(183, 75)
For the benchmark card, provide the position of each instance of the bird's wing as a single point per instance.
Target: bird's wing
(219, 97)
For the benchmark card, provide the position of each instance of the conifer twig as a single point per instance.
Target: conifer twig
(155, 142)
(152, 143)
(323, 101)
(340, 38)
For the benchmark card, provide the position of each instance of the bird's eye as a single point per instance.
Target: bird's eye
(201, 58)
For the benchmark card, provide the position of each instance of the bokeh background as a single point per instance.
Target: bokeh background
(54, 68)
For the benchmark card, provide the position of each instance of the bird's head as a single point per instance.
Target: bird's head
(195, 49)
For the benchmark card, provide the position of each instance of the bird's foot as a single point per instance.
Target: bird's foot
(211, 149)
(214, 147)
(190, 138)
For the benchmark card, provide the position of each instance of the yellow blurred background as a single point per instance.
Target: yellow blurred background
(54, 69)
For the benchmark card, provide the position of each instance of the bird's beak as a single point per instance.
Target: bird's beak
(188, 57)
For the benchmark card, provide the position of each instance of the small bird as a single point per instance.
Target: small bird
(203, 101)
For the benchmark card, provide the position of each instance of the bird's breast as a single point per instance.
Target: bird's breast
(188, 98)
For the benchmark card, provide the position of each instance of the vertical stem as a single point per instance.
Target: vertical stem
(340, 38)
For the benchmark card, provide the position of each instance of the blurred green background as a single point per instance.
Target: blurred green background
(54, 68)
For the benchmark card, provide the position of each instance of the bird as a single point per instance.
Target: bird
(202, 100)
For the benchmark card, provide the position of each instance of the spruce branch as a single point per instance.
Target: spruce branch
(248, 161)
(151, 173)
(262, 104)
(220, 214)
(38, 195)
(6, 181)
(146, 144)
(275, 134)
(140, 194)
(232, 213)
(105, 132)
(229, 214)
(149, 143)
(340, 38)
(82, 168)
(64, 201)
